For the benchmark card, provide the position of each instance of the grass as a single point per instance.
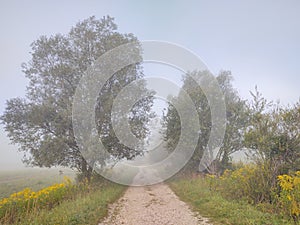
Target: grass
(221, 211)
(12, 181)
(89, 208)
(85, 206)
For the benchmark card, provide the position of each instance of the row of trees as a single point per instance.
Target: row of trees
(268, 132)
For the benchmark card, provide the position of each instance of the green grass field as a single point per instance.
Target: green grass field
(12, 181)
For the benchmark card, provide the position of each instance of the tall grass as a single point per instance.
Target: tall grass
(60, 203)
(24, 202)
(210, 203)
(87, 208)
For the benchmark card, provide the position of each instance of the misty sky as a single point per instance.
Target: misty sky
(259, 41)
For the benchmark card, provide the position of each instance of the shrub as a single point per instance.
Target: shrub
(249, 182)
(253, 183)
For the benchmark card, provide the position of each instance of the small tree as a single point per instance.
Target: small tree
(273, 137)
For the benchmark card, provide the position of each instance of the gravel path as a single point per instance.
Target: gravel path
(150, 205)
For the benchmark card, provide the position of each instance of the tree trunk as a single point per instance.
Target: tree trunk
(86, 170)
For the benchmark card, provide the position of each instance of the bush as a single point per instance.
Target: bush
(249, 182)
(253, 183)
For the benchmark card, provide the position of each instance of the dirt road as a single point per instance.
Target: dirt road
(150, 205)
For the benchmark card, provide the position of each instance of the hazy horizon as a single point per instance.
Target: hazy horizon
(257, 41)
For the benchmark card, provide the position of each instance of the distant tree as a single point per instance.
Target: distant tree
(236, 121)
(41, 123)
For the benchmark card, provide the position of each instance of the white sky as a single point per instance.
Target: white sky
(259, 41)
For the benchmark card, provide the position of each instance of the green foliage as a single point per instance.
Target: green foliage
(41, 124)
(26, 201)
(252, 184)
(63, 203)
(212, 204)
(288, 197)
(249, 182)
(273, 136)
(236, 121)
(86, 207)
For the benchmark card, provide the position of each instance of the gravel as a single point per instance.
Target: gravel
(156, 204)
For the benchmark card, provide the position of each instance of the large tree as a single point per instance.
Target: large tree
(41, 123)
(235, 122)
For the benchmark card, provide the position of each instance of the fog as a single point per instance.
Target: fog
(257, 41)
(10, 158)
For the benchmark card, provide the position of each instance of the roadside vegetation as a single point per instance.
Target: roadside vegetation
(68, 202)
(265, 188)
(213, 199)
(12, 181)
